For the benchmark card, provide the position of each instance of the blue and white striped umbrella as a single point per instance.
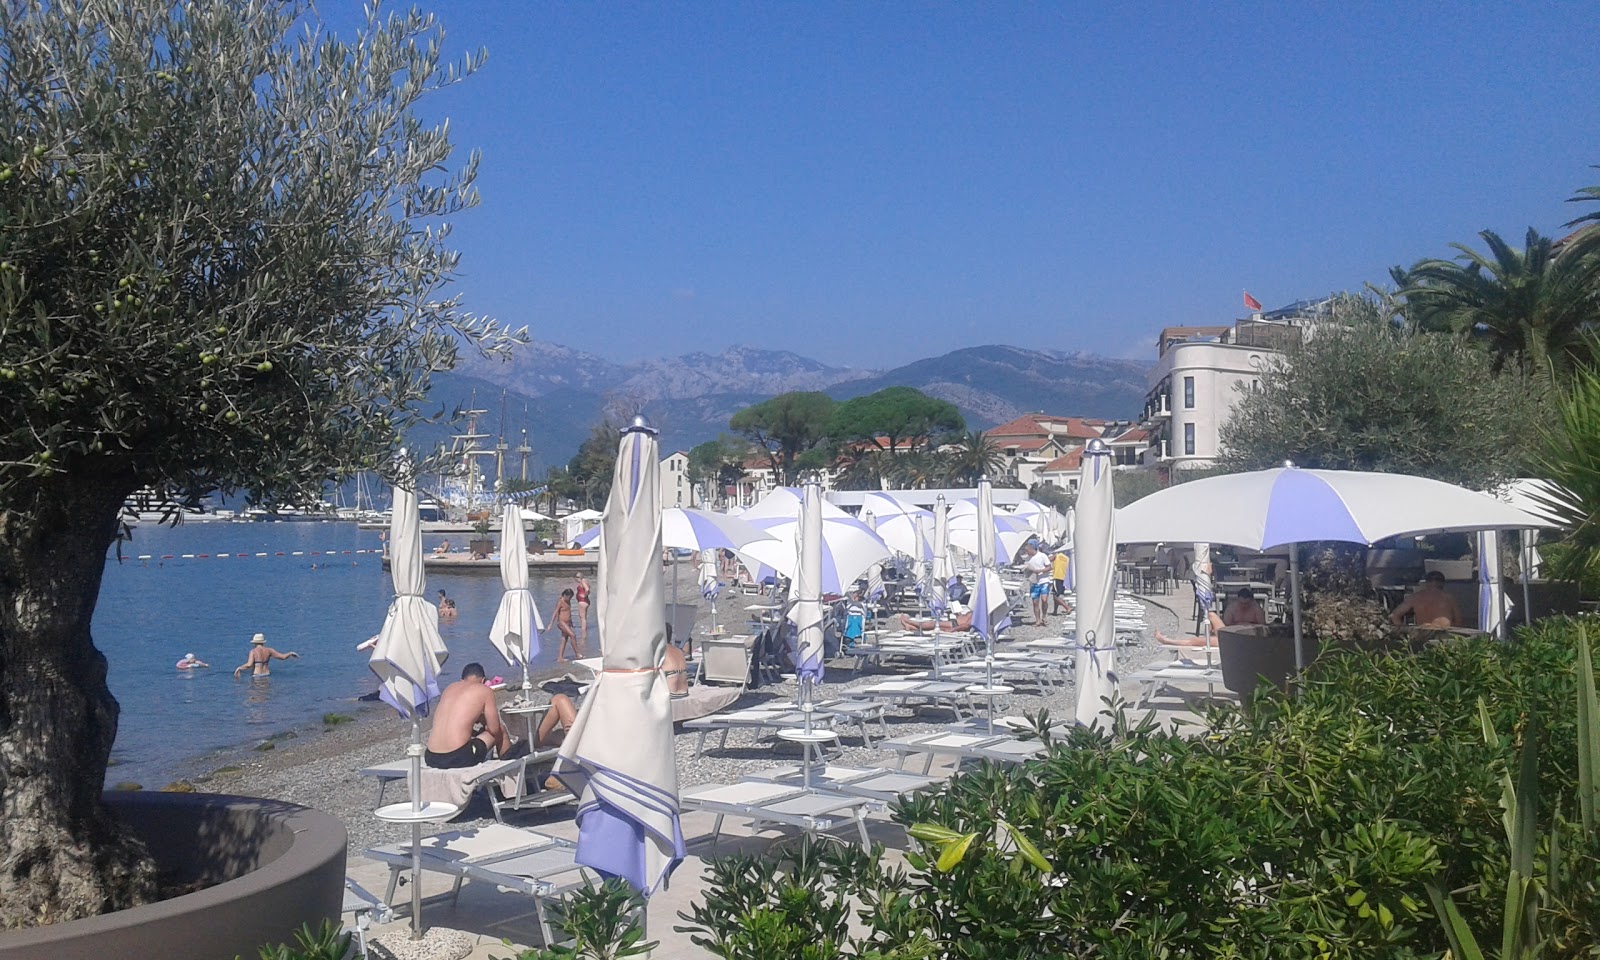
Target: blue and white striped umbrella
(991, 609)
(849, 549)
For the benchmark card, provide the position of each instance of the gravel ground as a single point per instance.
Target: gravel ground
(320, 771)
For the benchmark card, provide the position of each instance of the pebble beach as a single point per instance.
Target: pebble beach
(318, 767)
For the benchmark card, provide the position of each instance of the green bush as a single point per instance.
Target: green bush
(1313, 828)
(325, 943)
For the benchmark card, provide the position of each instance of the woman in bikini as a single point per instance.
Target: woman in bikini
(582, 598)
(259, 660)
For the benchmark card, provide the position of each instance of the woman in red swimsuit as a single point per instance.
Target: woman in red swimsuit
(583, 614)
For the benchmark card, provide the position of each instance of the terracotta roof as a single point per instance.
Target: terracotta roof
(1028, 445)
(1026, 425)
(1136, 435)
(1071, 461)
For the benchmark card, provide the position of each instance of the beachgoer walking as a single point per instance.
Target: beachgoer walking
(1058, 581)
(564, 624)
(259, 659)
(1037, 566)
(190, 661)
(582, 598)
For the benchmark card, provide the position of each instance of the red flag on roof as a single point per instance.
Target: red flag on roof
(1251, 302)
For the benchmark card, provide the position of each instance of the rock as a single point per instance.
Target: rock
(128, 785)
(179, 786)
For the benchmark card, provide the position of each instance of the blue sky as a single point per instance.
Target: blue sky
(872, 183)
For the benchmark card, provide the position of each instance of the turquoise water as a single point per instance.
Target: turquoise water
(151, 612)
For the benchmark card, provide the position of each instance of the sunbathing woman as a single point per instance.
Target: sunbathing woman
(1211, 618)
(962, 622)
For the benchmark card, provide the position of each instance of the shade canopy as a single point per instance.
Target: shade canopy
(1007, 534)
(1273, 508)
(618, 757)
(785, 502)
(517, 624)
(409, 653)
(685, 528)
(848, 546)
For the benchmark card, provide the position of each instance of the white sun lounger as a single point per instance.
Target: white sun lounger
(495, 775)
(874, 783)
(811, 811)
(1173, 674)
(940, 692)
(972, 746)
(759, 719)
(539, 866)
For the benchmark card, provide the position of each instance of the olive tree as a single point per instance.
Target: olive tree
(223, 253)
(1372, 396)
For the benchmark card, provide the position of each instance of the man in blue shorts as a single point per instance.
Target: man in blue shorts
(1037, 567)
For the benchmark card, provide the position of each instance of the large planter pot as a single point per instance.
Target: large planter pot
(1251, 654)
(279, 865)
(480, 547)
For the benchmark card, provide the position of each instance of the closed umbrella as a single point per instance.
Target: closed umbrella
(517, 624)
(408, 657)
(618, 756)
(1286, 506)
(1205, 591)
(943, 570)
(1491, 591)
(1094, 556)
(991, 609)
(806, 612)
(710, 586)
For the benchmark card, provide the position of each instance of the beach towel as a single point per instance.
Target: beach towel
(456, 786)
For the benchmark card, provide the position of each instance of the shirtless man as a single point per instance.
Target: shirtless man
(962, 622)
(1431, 605)
(260, 658)
(1244, 610)
(463, 705)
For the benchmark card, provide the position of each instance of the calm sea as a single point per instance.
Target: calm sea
(152, 612)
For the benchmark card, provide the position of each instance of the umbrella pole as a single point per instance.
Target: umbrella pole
(415, 752)
(1527, 574)
(1294, 599)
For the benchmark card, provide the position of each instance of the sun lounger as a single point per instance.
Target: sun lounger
(506, 780)
(811, 811)
(873, 783)
(539, 866)
(859, 712)
(760, 720)
(940, 692)
(1177, 672)
(703, 701)
(364, 908)
(972, 746)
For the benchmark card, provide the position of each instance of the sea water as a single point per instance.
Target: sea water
(320, 604)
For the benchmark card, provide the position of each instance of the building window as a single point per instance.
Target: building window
(1188, 439)
(1188, 393)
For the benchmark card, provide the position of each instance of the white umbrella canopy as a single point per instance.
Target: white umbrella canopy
(904, 532)
(517, 624)
(849, 547)
(1094, 556)
(531, 515)
(685, 528)
(874, 571)
(1008, 535)
(1273, 508)
(1284, 506)
(785, 502)
(618, 756)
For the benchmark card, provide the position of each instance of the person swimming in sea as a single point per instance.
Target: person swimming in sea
(259, 660)
(447, 607)
(190, 661)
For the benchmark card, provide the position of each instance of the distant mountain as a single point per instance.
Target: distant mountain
(993, 384)
(559, 393)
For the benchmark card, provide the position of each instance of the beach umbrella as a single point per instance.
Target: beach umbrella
(517, 624)
(710, 586)
(1094, 554)
(897, 523)
(1491, 591)
(943, 569)
(1205, 591)
(849, 548)
(785, 502)
(618, 757)
(806, 611)
(685, 528)
(875, 571)
(408, 657)
(1007, 534)
(1286, 506)
(991, 609)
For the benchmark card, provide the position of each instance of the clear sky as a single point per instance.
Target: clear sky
(869, 183)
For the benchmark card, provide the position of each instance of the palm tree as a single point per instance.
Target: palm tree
(1533, 306)
(973, 457)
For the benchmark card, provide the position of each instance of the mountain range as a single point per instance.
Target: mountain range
(557, 393)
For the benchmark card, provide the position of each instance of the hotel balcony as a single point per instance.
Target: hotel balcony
(1157, 407)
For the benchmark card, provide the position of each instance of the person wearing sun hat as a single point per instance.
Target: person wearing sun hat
(260, 658)
(190, 661)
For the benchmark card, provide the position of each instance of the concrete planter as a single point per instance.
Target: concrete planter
(281, 866)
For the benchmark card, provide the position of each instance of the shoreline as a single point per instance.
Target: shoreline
(319, 767)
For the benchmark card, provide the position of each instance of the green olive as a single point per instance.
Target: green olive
(264, 366)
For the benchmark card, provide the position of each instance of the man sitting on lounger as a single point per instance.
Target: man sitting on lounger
(962, 621)
(462, 707)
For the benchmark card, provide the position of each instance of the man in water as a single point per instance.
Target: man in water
(1431, 605)
(259, 660)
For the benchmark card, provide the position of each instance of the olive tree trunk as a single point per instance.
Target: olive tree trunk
(62, 855)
